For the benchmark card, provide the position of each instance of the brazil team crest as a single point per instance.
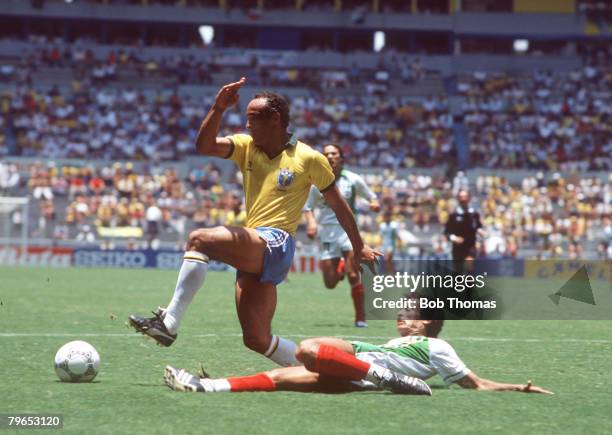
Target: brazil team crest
(285, 178)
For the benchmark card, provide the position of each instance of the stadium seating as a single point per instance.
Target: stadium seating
(540, 217)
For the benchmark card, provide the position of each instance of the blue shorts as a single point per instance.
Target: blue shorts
(278, 257)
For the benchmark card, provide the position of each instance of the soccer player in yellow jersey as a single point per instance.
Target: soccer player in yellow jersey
(278, 171)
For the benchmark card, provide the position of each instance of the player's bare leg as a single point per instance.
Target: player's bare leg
(300, 379)
(357, 291)
(282, 379)
(294, 379)
(237, 246)
(336, 358)
(389, 269)
(255, 304)
(329, 268)
(330, 366)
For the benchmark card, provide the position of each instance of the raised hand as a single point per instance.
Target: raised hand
(228, 94)
(311, 231)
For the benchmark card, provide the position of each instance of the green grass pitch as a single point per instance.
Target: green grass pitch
(44, 308)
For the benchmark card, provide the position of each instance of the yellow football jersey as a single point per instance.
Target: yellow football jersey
(276, 189)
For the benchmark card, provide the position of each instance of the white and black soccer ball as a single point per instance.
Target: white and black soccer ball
(77, 361)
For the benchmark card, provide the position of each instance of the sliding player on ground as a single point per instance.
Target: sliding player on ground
(336, 251)
(335, 365)
(278, 171)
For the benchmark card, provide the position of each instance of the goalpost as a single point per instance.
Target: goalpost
(14, 214)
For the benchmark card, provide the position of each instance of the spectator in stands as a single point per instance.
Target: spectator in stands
(153, 217)
(9, 178)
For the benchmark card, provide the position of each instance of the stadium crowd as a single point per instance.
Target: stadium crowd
(550, 217)
(127, 61)
(550, 121)
(126, 124)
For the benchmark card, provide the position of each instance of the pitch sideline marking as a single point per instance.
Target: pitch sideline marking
(356, 337)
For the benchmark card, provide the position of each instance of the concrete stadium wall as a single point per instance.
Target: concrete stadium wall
(533, 24)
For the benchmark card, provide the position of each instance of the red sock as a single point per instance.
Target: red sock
(357, 295)
(334, 362)
(259, 382)
(340, 268)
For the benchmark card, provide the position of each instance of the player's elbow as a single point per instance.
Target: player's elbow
(205, 146)
(471, 382)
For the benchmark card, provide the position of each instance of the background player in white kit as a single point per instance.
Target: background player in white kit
(389, 233)
(335, 246)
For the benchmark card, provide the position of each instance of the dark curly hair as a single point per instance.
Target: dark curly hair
(338, 147)
(275, 103)
(436, 316)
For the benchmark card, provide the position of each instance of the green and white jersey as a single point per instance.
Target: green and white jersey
(421, 357)
(389, 235)
(350, 185)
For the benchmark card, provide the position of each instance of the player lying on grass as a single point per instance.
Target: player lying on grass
(335, 365)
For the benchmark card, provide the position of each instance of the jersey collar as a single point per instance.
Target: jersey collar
(293, 140)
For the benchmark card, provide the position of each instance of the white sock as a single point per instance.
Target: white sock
(216, 385)
(190, 279)
(282, 352)
(376, 373)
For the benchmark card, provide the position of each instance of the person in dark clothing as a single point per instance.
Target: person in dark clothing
(461, 229)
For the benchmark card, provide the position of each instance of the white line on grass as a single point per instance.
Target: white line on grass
(355, 337)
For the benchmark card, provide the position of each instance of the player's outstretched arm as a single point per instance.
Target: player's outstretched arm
(207, 142)
(337, 203)
(472, 381)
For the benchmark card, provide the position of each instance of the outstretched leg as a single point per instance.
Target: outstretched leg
(237, 246)
(357, 292)
(256, 303)
(335, 357)
(282, 379)
(329, 366)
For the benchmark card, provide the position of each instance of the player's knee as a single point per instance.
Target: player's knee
(307, 351)
(200, 239)
(257, 343)
(353, 278)
(330, 284)
(330, 280)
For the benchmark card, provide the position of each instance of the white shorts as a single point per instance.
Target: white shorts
(333, 242)
(387, 249)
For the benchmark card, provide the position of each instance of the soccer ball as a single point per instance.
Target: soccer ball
(77, 361)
